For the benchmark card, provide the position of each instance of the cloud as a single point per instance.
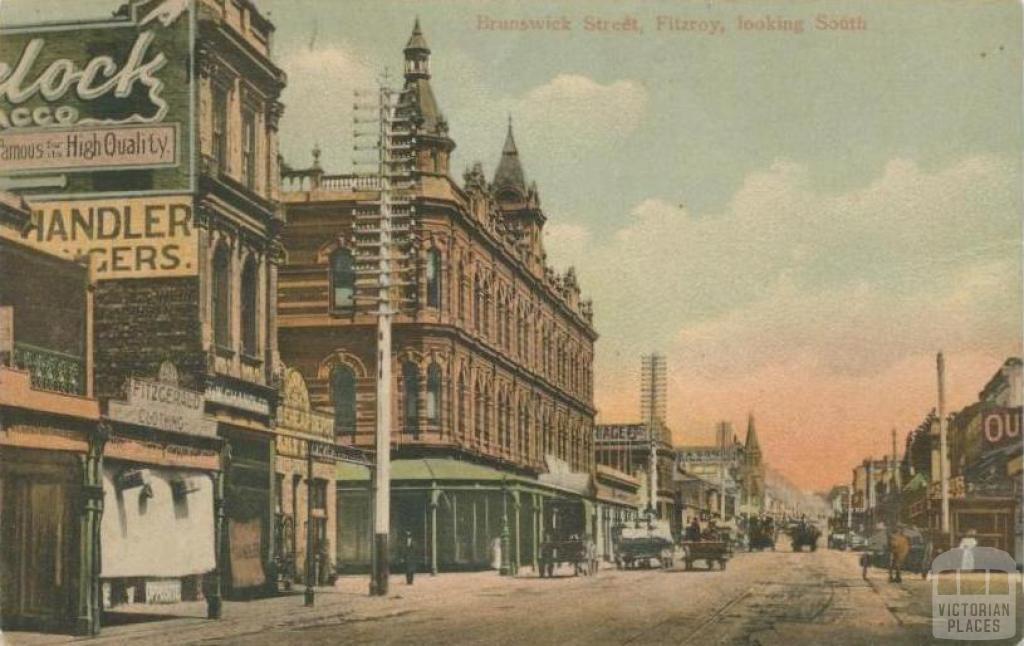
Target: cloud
(820, 308)
(583, 112)
(318, 104)
(565, 243)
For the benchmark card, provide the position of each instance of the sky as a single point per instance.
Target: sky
(797, 221)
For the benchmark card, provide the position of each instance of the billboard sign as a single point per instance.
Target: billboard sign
(129, 237)
(83, 100)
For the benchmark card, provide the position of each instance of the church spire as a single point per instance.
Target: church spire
(751, 443)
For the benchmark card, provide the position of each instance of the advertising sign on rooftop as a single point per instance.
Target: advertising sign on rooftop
(95, 106)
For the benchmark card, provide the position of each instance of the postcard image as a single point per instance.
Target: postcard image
(516, 322)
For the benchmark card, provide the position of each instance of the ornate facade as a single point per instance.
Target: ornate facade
(495, 357)
(493, 350)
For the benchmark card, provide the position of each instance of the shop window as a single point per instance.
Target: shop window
(410, 395)
(249, 313)
(343, 396)
(434, 394)
(433, 278)
(343, 279)
(222, 296)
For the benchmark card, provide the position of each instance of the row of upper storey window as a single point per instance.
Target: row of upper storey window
(495, 422)
(551, 353)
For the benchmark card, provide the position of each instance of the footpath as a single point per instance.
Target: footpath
(346, 602)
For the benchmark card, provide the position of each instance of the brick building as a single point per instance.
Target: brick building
(179, 216)
(50, 438)
(492, 360)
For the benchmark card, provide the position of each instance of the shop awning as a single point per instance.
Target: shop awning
(429, 469)
(157, 522)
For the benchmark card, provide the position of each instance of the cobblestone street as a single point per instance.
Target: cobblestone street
(764, 598)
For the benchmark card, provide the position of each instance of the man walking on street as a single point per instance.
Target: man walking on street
(411, 557)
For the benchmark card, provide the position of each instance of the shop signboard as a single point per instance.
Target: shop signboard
(297, 447)
(162, 406)
(621, 433)
(226, 395)
(1001, 426)
(100, 106)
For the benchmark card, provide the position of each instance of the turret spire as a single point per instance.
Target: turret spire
(509, 177)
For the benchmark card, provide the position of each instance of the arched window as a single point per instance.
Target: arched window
(508, 423)
(343, 279)
(485, 298)
(222, 296)
(462, 293)
(410, 395)
(478, 411)
(249, 313)
(434, 394)
(463, 404)
(433, 278)
(478, 296)
(343, 396)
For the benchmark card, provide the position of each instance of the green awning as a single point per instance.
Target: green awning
(350, 471)
(429, 469)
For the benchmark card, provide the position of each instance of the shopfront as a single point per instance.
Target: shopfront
(160, 474)
(49, 508)
(456, 512)
(305, 518)
(243, 412)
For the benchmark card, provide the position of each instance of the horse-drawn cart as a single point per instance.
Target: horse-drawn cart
(566, 540)
(709, 551)
(572, 551)
(804, 534)
(640, 546)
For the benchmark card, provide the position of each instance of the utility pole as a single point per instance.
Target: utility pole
(384, 234)
(940, 364)
(723, 430)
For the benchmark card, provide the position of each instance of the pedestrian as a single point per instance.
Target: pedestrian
(899, 548)
(865, 561)
(410, 555)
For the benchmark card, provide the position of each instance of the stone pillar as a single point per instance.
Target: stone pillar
(434, 496)
(517, 554)
(270, 565)
(90, 599)
(538, 522)
(214, 600)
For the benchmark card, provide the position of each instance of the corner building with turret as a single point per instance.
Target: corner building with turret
(492, 395)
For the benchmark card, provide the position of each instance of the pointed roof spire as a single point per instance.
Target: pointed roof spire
(510, 175)
(416, 40)
(751, 443)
